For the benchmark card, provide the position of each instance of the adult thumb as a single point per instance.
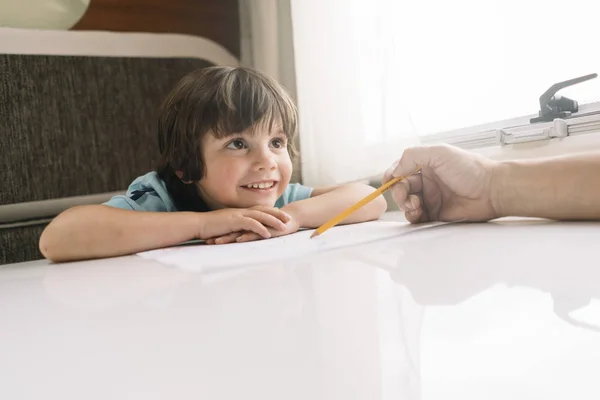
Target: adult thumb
(414, 158)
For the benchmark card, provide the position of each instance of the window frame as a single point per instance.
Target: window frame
(519, 138)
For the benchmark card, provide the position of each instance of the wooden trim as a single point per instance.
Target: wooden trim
(217, 20)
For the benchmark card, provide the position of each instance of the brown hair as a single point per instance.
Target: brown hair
(220, 101)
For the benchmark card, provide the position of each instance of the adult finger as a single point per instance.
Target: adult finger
(416, 157)
(414, 183)
(415, 216)
(412, 203)
(387, 175)
(399, 194)
(403, 189)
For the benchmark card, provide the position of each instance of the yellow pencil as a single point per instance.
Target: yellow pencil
(344, 214)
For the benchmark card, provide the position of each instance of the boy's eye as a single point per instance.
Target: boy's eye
(278, 143)
(236, 144)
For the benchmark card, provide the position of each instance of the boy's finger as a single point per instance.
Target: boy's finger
(276, 212)
(248, 237)
(282, 215)
(251, 224)
(266, 219)
(229, 238)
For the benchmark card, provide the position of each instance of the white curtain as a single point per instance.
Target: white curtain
(266, 39)
(346, 87)
(373, 76)
(266, 44)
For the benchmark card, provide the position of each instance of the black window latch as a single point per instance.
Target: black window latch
(553, 106)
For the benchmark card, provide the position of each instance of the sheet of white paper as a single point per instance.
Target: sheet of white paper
(205, 257)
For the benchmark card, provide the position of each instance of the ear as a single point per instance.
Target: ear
(180, 175)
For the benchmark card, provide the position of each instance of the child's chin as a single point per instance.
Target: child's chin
(267, 203)
(253, 201)
(262, 202)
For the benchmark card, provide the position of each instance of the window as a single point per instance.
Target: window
(374, 77)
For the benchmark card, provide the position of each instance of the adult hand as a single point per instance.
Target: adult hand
(453, 185)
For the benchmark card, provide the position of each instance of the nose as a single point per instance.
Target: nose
(265, 160)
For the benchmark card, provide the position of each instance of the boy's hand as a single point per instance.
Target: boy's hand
(290, 226)
(232, 222)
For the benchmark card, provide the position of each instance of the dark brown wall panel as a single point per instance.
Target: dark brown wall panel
(217, 20)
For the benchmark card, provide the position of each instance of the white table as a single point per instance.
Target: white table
(504, 310)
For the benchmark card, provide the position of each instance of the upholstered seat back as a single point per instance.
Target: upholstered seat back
(73, 126)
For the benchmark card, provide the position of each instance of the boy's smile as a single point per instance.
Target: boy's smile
(261, 188)
(261, 185)
(245, 170)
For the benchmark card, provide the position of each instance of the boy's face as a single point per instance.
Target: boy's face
(245, 170)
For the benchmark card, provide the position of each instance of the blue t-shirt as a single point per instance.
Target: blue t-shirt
(149, 193)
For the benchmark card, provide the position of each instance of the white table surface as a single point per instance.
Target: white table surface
(503, 310)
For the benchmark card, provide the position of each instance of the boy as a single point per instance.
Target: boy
(226, 139)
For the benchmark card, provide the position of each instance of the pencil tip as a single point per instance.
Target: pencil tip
(315, 234)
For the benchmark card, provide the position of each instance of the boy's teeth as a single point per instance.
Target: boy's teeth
(260, 185)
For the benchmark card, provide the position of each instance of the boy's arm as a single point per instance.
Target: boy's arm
(326, 203)
(97, 231)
